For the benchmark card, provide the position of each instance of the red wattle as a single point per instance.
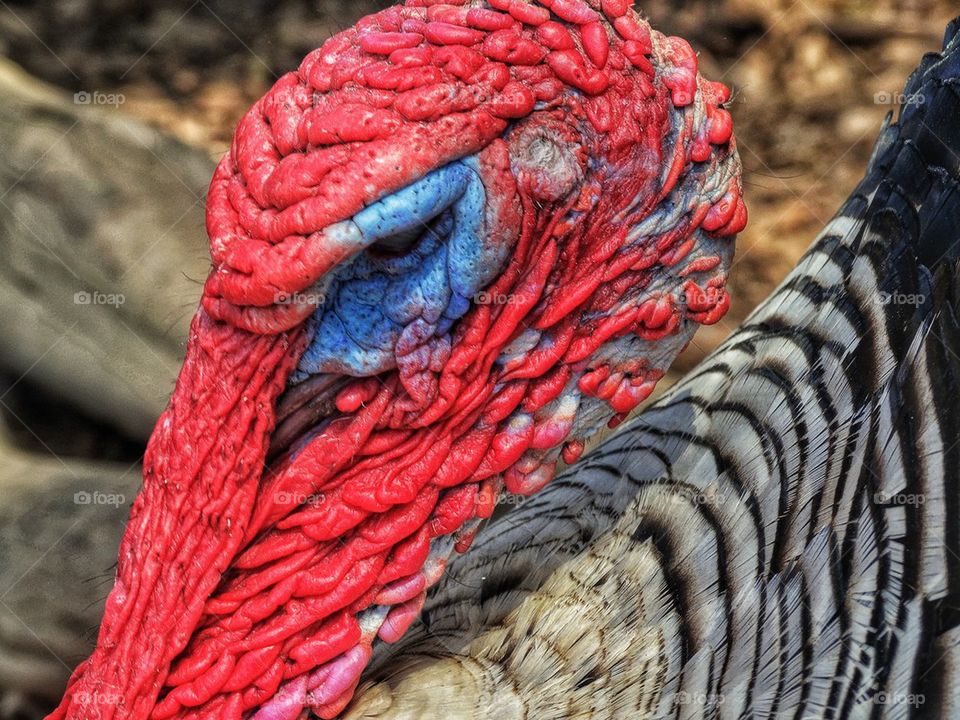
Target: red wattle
(199, 489)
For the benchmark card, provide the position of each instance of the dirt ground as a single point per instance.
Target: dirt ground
(813, 80)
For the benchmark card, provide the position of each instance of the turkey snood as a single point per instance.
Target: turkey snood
(450, 246)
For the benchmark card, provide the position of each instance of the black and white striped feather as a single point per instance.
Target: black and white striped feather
(779, 537)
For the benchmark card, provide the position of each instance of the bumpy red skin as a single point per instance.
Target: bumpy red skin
(380, 105)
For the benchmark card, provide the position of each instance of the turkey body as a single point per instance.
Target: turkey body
(778, 537)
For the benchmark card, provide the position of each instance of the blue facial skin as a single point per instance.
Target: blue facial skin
(434, 257)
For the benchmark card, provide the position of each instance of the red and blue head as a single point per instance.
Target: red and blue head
(451, 246)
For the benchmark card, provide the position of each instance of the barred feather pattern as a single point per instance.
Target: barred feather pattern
(778, 537)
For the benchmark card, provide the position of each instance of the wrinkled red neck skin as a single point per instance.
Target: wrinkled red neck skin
(207, 498)
(181, 640)
(201, 473)
(202, 501)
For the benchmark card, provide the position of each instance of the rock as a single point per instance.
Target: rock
(103, 249)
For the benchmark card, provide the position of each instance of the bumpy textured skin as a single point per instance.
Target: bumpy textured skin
(447, 249)
(778, 537)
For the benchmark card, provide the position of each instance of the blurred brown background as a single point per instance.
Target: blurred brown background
(113, 115)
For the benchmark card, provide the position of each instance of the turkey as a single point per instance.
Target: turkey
(453, 244)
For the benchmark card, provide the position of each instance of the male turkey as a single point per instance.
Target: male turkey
(453, 244)
(456, 241)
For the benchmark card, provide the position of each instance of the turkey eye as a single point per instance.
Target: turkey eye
(398, 244)
(405, 241)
